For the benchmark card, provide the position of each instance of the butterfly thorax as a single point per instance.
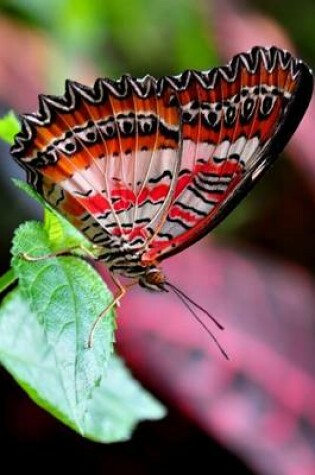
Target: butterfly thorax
(129, 262)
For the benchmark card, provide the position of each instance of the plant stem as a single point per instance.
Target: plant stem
(7, 279)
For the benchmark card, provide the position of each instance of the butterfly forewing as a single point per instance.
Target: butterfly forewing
(156, 164)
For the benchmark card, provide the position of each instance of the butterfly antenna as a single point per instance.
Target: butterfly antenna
(176, 289)
(181, 297)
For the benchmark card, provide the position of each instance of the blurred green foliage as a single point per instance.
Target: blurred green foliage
(9, 127)
(298, 18)
(135, 36)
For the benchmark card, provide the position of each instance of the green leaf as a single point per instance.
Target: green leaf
(124, 402)
(67, 296)
(116, 405)
(9, 127)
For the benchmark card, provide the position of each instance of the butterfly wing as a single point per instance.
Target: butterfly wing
(106, 157)
(235, 121)
(154, 165)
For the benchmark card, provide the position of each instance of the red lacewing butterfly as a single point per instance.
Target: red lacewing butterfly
(146, 167)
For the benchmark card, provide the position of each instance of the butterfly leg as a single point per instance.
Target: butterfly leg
(122, 289)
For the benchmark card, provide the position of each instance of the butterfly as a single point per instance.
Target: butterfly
(146, 167)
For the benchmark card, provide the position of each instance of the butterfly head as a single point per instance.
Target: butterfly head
(153, 279)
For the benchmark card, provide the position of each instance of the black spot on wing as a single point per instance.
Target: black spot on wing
(166, 173)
